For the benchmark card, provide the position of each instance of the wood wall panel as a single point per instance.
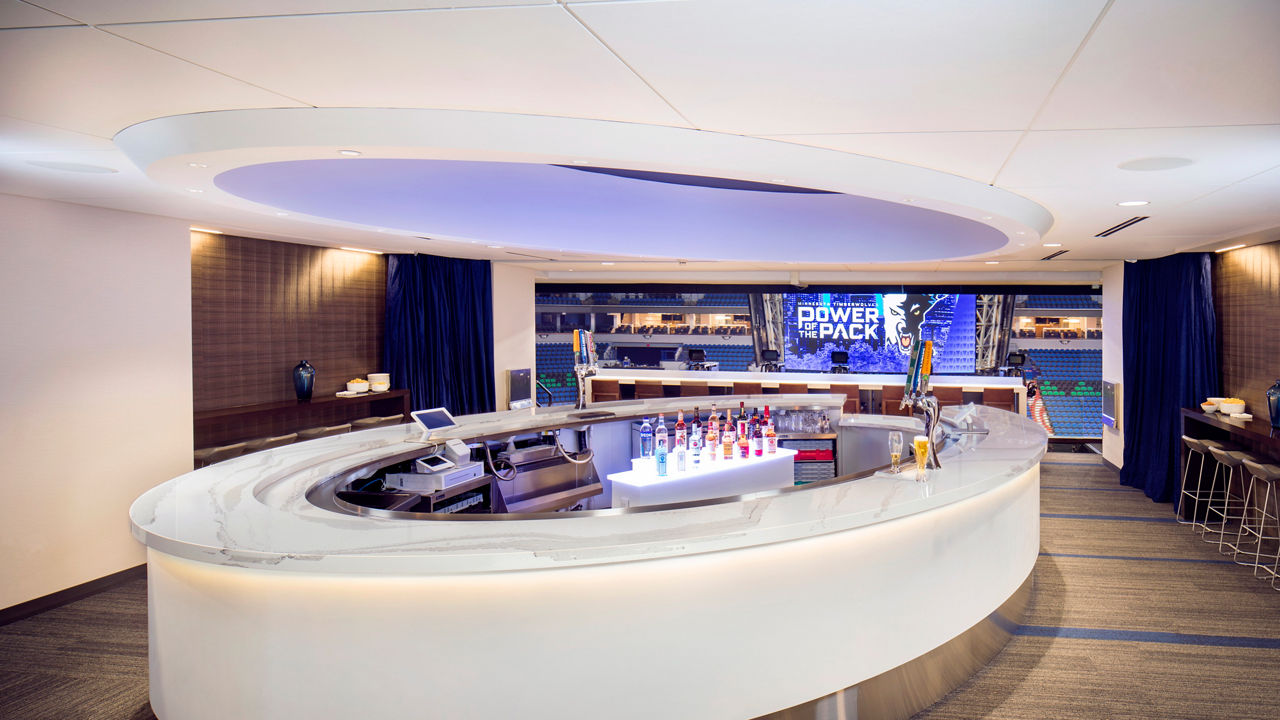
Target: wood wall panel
(1246, 287)
(259, 307)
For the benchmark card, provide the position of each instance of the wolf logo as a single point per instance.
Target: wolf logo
(910, 312)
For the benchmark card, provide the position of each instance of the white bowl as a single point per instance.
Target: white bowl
(379, 378)
(358, 387)
(1209, 407)
(1229, 408)
(1215, 400)
(379, 386)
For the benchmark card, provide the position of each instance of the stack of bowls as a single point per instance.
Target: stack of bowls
(379, 382)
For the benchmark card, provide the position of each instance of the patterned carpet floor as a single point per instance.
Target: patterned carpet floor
(1133, 616)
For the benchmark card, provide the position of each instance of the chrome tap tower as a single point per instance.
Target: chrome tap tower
(923, 404)
(584, 363)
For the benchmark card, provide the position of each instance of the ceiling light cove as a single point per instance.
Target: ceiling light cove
(587, 210)
(1134, 203)
(588, 186)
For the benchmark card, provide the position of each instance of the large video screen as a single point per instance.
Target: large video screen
(877, 330)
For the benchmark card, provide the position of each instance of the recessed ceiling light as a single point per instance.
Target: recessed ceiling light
(986, 217)
(371, 252)
(194, 190)
(193, 228)
(606, 263)
(72, 167)
(495, 247)
(1134, 203)
(197, 165)
(382, 229)
(350, 153)
(993, 262)
(1021, 232)
(282, 214)
(1053, 244)
(579, 162)
(1232, 247)
(570, 269)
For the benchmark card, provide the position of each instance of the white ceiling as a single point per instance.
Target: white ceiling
(1043, 99)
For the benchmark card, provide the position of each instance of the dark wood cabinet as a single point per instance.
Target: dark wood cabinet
(246, 422)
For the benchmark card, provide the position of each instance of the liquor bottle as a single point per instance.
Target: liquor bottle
(660, 456)
(742, 418)
(682, 437)
(757, 434)
(714, 420)
(646, 438)
(713, 437)
(660, 438)
(680, 458)
(695, 439)
(726, 444)
(770, 434)
(744, 442)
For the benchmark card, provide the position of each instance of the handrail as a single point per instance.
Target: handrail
(550, 396)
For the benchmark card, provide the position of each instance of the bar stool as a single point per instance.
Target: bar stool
(369, 423)
(1268, 476)
(319, 432)
(1199, 447)
(208, 456)
(1231, 460)
(267, 443)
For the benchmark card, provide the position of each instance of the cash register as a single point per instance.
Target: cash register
(450, 462)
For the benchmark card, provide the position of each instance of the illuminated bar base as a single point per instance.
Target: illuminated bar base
(711, 479)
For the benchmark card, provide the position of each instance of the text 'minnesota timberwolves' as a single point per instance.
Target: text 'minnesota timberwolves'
(877, 330)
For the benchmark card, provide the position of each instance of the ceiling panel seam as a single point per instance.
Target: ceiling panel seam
(55, 127)
(276, 16)
(202, 67)
(1097, 22)
(52, 12)
(626, 64)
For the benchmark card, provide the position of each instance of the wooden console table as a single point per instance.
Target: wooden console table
(246, 422)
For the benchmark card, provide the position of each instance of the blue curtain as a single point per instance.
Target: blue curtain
(439, 331)
(1170, 362)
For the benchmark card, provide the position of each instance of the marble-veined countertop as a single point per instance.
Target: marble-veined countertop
(253, 512)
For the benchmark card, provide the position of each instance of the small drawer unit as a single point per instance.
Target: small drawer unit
(815, 457)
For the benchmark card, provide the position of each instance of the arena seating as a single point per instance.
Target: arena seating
(1062, 302)
(560, 299)
(1071, 384)
(555, 371)
(724, 299)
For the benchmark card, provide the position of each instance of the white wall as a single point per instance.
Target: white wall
(513, 323)
(1113, 357)
(96, 363)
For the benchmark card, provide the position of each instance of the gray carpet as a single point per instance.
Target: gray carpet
(1132, 617)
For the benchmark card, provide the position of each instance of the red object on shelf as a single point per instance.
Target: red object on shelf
(814, 455)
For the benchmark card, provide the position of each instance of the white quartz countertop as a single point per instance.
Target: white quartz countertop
(253, 512)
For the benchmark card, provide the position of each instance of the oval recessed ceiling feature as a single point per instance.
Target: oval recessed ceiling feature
(1150, 164)
(539, 206)
(699, 180)
(72, 167)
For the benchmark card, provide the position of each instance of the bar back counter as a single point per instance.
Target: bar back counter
(868, 595)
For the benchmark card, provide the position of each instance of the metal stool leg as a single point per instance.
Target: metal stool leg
(1183, 495)
(1245, 527)
(1208, 501)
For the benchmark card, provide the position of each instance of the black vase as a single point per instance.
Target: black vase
(303, 378)
(1273, 406)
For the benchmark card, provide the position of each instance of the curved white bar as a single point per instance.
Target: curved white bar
(263, 606)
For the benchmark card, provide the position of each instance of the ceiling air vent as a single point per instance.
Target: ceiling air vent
(1127, 223)
(1054, 255)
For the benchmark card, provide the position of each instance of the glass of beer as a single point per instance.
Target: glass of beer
(920, 444)
(895, 452)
